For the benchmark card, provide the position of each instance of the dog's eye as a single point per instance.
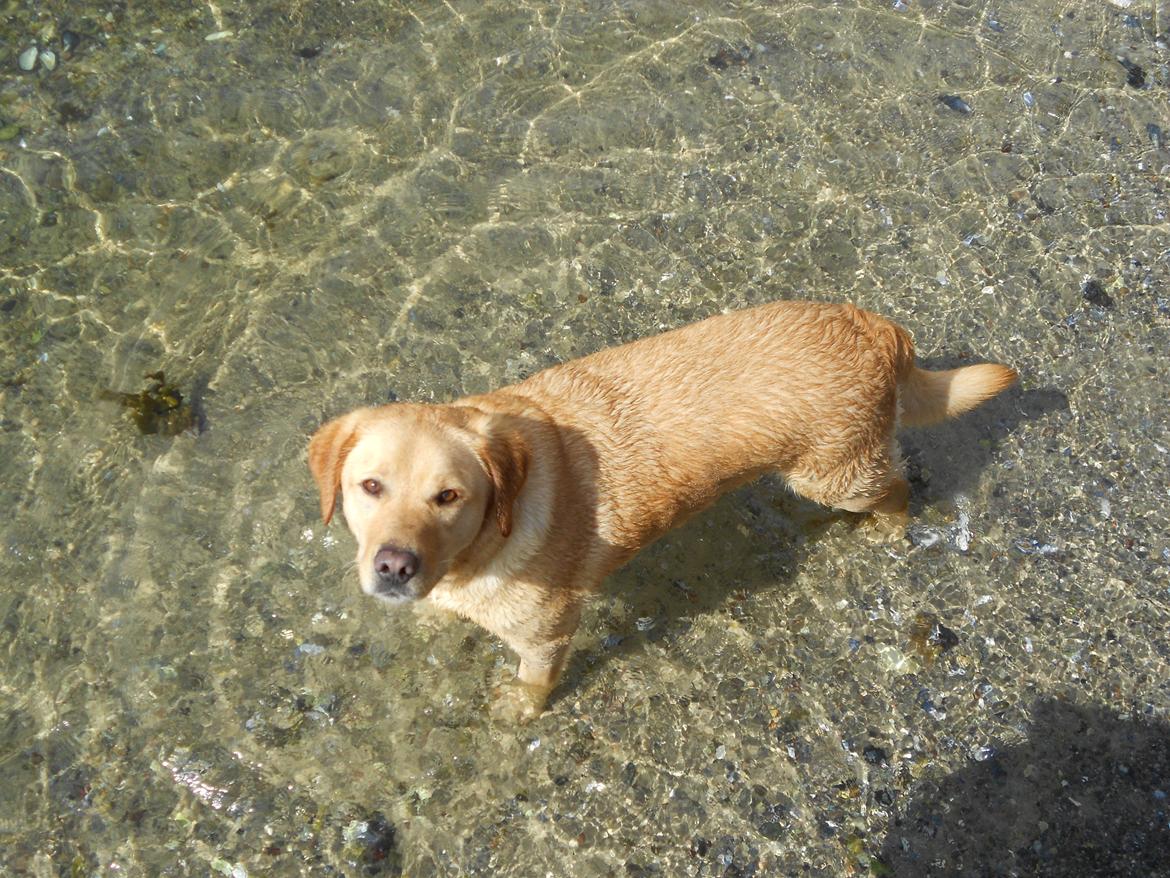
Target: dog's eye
(447, 495)
(372, 487)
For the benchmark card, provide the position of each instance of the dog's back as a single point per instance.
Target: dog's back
(807, 389)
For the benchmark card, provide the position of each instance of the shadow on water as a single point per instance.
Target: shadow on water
(751, 540)
(946, 459)
(1086, 796)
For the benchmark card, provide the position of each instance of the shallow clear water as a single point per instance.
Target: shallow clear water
(338, 204)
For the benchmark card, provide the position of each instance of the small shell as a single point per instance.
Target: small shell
(28, 58)
(49, 59)
(69, 40)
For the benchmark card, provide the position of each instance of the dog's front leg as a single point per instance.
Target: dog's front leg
(522, 699)
(542, 658)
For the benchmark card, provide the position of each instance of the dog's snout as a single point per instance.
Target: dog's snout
(394, 567)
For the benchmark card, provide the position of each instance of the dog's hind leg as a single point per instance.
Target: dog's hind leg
(871, 482)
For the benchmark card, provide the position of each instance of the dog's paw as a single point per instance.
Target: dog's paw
(517, 703)
(885, 527)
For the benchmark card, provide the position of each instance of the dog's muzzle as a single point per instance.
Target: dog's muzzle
(394, 568)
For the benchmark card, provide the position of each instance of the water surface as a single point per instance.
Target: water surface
(329, 205)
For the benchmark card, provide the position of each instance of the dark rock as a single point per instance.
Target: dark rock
(773, 831)
(379, 847)
(728, 57)
(930, 638)
(875, 755)
(1136, 75)
(637, 870)
(731, 688)
(628, 774)
(956, 103)
(68, 111)
(1095, 294)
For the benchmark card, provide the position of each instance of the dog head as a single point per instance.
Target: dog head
(420, 485)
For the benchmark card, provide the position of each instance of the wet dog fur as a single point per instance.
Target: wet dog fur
(510, 508)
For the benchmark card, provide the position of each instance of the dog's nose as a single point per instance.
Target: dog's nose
(394, 567)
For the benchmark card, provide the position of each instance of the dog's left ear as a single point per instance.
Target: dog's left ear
(505, 455)
(328, 449)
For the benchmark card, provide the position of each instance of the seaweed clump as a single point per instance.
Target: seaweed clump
(159, 408)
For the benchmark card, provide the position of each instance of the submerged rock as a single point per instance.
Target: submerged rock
(373, 842)
(1095, 294)
(930, 638)
(956, 103)
(729, 57)
(875, 755)
(1136, 75)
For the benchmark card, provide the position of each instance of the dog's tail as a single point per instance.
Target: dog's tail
(929, 397)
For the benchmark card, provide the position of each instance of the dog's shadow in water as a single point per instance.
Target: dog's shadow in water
(947, 459)
(758, 536)
(753, 538)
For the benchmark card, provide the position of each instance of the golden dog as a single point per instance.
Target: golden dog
(510, 508)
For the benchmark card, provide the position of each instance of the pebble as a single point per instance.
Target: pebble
(1136, 76)
(924, 537)
(956, 103)
(28, 58)
(69, 41)
(929, 637)
(218, 35)
(875, 755)
(1094, 293)
(379, 844)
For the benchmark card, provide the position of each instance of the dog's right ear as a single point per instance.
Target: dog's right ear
(328, 449)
